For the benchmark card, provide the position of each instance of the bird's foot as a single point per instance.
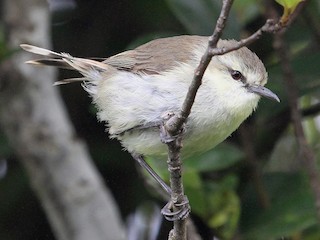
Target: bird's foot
(165, 136)
(176, 210)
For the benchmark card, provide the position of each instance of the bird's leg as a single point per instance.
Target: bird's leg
(146, 166)
(174, 209)
(178, 207)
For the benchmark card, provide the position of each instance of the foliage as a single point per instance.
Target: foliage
(292, 208)
(197, 16)
(288, 8)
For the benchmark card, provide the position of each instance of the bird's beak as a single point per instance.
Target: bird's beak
(264, 92)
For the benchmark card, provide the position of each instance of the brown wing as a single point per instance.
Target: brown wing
(151, 58)
(158, 55)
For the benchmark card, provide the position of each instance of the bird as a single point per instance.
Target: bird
(134, 90)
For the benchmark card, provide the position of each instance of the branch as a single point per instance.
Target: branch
(174, 124)
(270, 26)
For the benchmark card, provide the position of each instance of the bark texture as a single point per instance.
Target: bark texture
(73, 195)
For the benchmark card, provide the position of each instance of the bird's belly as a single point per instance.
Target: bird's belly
(196, 140)
(143, 101)
(202, 139)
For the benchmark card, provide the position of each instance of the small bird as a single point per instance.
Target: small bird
(135, 89)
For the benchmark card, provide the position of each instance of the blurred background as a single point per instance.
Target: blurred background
(253, 186)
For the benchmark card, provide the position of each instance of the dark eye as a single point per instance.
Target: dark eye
(236, 75)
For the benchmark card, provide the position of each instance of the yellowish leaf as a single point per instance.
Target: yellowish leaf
(288, 8)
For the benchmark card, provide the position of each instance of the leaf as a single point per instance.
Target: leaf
(290, 4)
(223, 206)
(226, 216)
(221, 157)
(199, 17)
(195, 191)
(288, 8)
(292, 208)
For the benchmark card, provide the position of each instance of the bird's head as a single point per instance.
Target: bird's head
(240, 72)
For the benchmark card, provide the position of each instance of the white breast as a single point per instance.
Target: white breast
(127, 100)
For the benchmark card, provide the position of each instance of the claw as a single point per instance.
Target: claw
(176, 211)
(185, 201)
(165, 136)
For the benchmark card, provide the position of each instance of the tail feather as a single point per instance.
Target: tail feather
(40, 51)
(50, 62)
(69, 80)
(90, 69)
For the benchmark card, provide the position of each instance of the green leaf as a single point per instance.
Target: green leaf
(221, 157)
(292, 209)
(195, 191)
(227, 213)
(223, 206)
(199, 17)
(288, 8)
(290, 4)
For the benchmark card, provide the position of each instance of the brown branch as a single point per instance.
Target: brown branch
(177, 195)
(174, 124)
(270, 26)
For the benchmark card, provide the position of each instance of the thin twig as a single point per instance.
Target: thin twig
(270, 26)
(174, 124)
(177, 195)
